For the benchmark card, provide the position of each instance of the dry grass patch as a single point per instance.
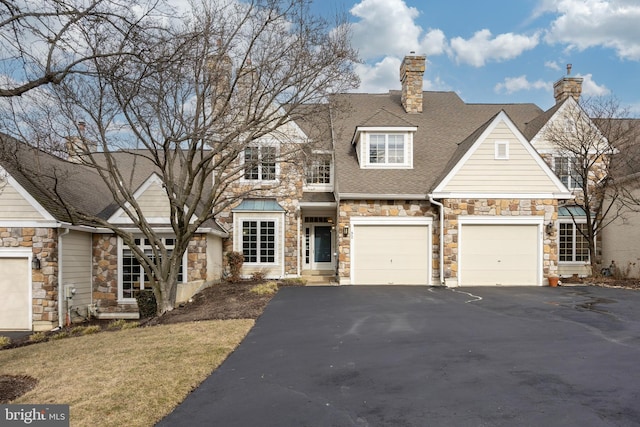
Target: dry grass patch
(130, 377)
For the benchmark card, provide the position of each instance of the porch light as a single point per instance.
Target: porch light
(549, 227)
(35, 263)
(345, 231)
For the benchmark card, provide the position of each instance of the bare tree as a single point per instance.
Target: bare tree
(594, 144)
(198, 93)
(41, 42)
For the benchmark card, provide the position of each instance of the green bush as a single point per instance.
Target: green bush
(147, 304)
(38, 337)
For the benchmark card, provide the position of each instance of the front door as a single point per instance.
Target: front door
(322, 248)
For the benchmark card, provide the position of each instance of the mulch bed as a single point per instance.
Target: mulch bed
(14, 386)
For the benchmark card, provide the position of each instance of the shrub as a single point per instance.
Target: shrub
(268, 288)
(258, 276)
(235, 260)
(94, 329)
(147, 303)
(116, 324)
(4, 341)
(60, 335)
(130, 325)
(38, 337)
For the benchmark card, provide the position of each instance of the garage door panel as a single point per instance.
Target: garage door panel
(15, 304)
(391, 254)
(499, 255)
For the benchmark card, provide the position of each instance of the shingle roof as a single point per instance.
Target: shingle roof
(445, 122)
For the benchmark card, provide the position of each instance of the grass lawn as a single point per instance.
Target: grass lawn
(132, 377)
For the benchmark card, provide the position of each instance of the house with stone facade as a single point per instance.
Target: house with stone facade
(405, 187)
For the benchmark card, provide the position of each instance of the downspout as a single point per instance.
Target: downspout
(441, 245)
(298, 214)
(61, 296)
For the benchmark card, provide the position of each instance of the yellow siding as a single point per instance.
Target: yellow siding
(153, 202)
(15, 207)
(483, 173)
(76, 267)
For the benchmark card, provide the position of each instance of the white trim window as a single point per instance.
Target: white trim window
(573, 246)
(134, 279)
(260, 163)
(387, 150)
(318, 171)
(259, 241)
(566, 169)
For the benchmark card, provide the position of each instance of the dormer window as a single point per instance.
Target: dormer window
(385, 147)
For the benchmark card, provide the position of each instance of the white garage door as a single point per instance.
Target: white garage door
(15, 305)
(499, 255)
(391, 254)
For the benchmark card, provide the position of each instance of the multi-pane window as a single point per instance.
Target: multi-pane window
(134, 278)
(386, 149)
(568, 172)
(319, 170)
(260, 163)
(259, 241)
(573, 244)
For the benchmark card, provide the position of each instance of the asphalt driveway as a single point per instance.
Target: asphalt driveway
(416, 356)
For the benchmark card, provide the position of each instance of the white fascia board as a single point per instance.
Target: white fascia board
(446, 195)
(386, 128)
(363, 196)
(390, 220)
(500, 219)
(317, 204)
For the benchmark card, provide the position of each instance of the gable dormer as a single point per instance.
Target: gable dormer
(385, 141)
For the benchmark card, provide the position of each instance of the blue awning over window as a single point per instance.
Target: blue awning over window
(570, 211)
(258, 205)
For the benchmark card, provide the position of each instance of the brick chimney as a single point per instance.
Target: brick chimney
(567, 86)
(411, 73)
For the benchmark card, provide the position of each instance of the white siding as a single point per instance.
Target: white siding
(153, 203)
(76, 255)
(15, 207)
(483, 173)
(621, 242)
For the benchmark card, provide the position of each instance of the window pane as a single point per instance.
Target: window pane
(376, 149)
(268, 163)
(267, 241)
(250, 241)
(319, 171)
(565, 242)
(396, 148)
(582, 245)
(251, 169)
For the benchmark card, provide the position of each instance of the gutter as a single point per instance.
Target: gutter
(441, 245)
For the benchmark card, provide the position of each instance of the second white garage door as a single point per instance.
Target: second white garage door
(15, 302)
(499, 255)
(391, 254)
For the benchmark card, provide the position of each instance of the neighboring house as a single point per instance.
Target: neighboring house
(407, 187)
(54, 271)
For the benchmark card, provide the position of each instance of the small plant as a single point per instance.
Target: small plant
(268, 288)
(60, 335)
(296, 281)
(4, 341)
(76, 330)
(38, 337)
(94, 329)
(116, 324)
(258, 276)
(130, 325)
(147, 304)
(235, 260)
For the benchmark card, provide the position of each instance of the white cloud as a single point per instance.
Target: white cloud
(553, 65)
(388, 27)
(482, 47)
(382, 76)
(589, 23)
(591, 88)
(517, 84)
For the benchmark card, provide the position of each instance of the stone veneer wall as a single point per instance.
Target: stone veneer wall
(197, 258)
(287, 192)
(386, 208)
(455, 208)
(44, 282)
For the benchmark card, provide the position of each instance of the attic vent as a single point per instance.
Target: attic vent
(502, 150)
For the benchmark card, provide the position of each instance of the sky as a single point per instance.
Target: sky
(499, 51)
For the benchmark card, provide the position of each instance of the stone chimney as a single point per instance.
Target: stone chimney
(567, 86)
(79, 147)
(411, 73)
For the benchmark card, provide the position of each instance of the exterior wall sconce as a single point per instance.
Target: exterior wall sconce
(35, 263)
(549, 228)
(345, 231)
